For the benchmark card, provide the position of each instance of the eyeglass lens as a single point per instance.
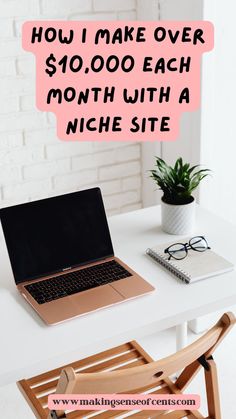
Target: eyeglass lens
(177, 251)
(198, 243)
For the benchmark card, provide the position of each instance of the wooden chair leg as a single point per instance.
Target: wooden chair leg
(65, 382)
(212, 390)
(187, 375)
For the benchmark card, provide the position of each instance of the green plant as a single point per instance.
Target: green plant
(177, 182)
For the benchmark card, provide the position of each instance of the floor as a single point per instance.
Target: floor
(158, 346)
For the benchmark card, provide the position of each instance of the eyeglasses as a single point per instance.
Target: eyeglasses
(180, 250)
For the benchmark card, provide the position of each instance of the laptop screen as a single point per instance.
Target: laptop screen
(49, 235)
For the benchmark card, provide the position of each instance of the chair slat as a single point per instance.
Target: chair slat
(38, 379)
(151, 414)
(133, 364)
(113, 363)
(140, 349)
(164, 415)
(50, 387)
(44, 399)
(178, 414)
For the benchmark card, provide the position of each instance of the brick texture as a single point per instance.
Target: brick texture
(33, 163)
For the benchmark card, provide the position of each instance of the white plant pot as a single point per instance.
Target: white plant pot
(178, 219)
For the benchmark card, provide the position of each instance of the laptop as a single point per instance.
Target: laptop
(62, 256)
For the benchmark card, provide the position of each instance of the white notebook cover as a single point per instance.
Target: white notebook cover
(196, 265)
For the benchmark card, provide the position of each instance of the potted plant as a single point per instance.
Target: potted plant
(177, 203)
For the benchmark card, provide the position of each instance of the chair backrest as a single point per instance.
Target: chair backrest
(129, 379)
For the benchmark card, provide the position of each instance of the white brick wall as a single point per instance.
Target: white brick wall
(33, 162)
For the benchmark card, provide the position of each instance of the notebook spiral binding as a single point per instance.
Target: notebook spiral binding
(179, 273)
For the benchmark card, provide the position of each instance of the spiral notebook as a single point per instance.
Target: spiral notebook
(196, 265)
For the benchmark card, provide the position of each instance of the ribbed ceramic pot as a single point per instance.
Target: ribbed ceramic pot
(178, 219)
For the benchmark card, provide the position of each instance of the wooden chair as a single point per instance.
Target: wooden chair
(129, 369)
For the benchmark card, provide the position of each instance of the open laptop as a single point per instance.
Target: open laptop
(62, 257)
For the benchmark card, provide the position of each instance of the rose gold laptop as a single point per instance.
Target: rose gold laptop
(62, 256)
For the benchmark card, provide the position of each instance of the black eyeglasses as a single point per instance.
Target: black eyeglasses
(180, 250)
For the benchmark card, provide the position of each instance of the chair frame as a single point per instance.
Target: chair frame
(142, 375)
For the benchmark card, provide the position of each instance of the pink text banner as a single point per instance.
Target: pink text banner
(122, 81)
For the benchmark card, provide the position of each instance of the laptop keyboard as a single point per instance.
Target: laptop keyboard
(77, 281)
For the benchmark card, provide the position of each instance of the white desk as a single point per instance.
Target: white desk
(29, 347)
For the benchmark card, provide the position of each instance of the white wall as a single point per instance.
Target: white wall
(187, 144)
(33, 162)
(218, 138)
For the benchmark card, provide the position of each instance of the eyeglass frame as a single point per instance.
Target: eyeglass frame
(187, 246)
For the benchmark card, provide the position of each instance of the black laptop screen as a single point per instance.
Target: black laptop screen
(49, 235)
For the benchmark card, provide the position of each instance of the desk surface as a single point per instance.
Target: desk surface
(29, 347)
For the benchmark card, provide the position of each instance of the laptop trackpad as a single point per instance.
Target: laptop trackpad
(96, 298)
(132, 286)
